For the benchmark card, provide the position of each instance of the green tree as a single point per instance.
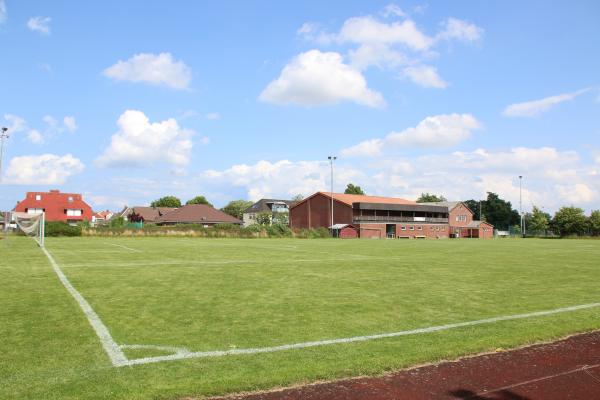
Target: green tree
(499, 212)
(594, 222)
(537, 222)
(430, 198)
(117, 222)
(298, 198)
(264, 218)
(236, 208)
(167, 201)
(351, 189)
(198, 200)
(569, 221)
(477, 207)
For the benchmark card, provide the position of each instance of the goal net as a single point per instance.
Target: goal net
(31, 225)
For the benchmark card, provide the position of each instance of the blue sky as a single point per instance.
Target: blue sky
(126, 101)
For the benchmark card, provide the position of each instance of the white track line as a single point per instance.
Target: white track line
(303, 345)
(125, 247)
(585, 368)
(113, 350)
(118, 358)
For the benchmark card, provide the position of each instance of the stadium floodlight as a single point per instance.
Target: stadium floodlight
(331, 160)
(3, 137)
(31, 224)
(521, 205)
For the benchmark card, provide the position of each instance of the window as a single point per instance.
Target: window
(461, 218)
(403, 228)
(420, 227)
(412, 227)
(35, 210)
(74, 213)
(38, 197)
(437, 228)
(70, 199)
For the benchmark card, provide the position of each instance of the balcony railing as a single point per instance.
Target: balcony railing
(372, 218)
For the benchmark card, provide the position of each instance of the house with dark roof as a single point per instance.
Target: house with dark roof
(462, 223)
(278, 210)
(148, 214)
(371, 216)
(196, 214)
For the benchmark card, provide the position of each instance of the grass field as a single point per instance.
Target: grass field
(226, 294)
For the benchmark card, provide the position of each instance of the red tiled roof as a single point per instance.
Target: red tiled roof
(358, 198)
(54, 203)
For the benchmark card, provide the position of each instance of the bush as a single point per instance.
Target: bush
(278, 230)
(57, 228)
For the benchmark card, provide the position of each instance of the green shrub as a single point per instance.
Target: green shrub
(57, 228)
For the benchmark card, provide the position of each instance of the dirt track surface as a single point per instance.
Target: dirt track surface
(567, 369)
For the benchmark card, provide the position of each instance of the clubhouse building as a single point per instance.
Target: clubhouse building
(387, 217)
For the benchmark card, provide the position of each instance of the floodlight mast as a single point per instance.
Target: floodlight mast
(3, 137)
(331, 160)
(521, 205)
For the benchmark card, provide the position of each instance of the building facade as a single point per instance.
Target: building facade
(278, 210)
(462, 224)
(66, 207)
(372, 216)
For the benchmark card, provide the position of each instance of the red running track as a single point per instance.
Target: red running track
(567, 369)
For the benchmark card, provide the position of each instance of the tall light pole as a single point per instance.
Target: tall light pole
(521, 203)
(331, 160)
(3, 137)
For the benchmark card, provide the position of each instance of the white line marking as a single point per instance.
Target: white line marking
(125, 247)
(113, 350)
(303, 345)
(119, 359)
(543, 378)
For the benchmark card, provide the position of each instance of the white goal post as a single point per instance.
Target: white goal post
(32, 225)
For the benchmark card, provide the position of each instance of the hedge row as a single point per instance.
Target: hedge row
(219, 230)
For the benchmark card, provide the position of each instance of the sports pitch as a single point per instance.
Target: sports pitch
(198, 317)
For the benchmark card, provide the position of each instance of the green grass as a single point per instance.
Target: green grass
(219, 294)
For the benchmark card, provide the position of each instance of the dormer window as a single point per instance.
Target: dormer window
(38, 197)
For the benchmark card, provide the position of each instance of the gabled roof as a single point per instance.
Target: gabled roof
(149, 214)
(263, 205)
(197, 214)
(350, 199)
(477, 224)
(450, 204)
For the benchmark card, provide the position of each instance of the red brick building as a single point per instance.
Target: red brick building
(372, 216)
(66, 207)
(462, 224)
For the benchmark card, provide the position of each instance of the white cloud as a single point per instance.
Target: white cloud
(392, 10)
(393, 43)
(577, 194)
(367, 29)
(278, 179)
(69, 123)
(15, 123)
(50, 121)
(35, 137)
(140, 142)
(213, 116)
(367, 148)
(3, 12)
(425, 75)
(316, 78)
(45, 169)
(454, 28)
(39, 24)
(537, 107)
(376, 54)
(161, 70)
(445, 130)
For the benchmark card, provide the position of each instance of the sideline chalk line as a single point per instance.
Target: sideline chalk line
(118, 358)
(124, 247)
